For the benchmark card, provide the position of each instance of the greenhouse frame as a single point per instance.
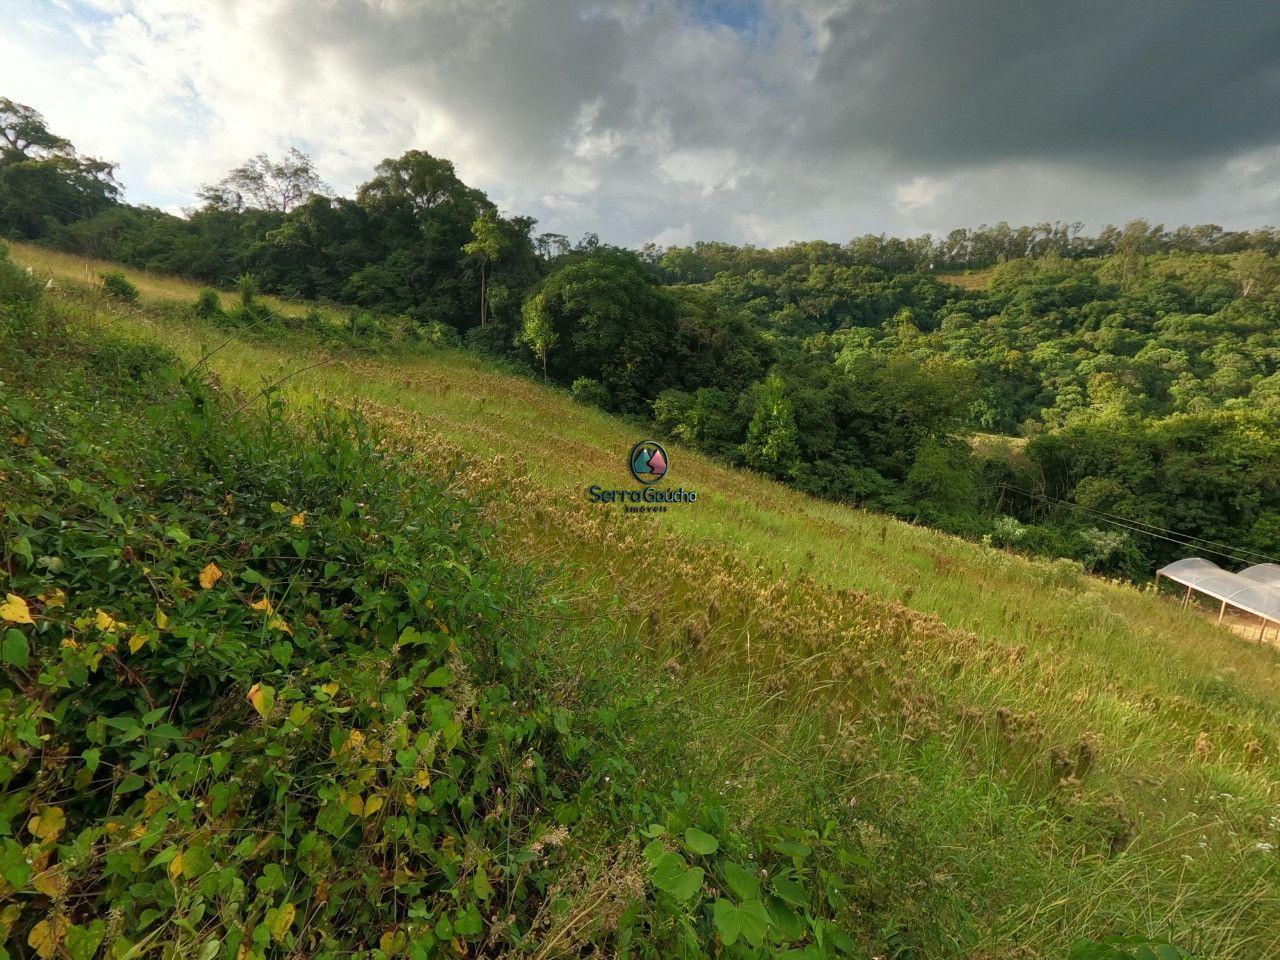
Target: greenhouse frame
(1254, 590)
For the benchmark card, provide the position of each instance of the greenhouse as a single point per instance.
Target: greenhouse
(1268, 573)
(1254, 590)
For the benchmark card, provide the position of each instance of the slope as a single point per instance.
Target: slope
(1052, 753)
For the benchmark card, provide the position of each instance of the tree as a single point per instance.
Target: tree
(608, 319)
(24, 132)
(261, 183)
(415, 183)
(1255, 271)
(485, 247)
(539, 330)
(44, 183)
(772, 443)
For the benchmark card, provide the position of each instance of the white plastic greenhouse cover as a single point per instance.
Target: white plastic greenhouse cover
(1268, 573)
(1235, 589)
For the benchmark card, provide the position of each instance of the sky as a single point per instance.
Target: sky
(671, 121)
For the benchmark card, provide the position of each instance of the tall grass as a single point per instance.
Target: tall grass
(1024, 753)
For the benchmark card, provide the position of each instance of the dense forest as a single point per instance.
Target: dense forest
(1110, 398)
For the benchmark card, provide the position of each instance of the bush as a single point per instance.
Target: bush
(440, 335)
(1007, 532)
(247, 288)
(118, 287)
(290, 675)
(19, 287)
(591, 392)
(208, 304)
(495, 340)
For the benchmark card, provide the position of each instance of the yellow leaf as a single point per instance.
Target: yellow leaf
(391, 942)
(278, 507)
(107, 623)
(162, 619)
(354, 742)
(51, 882)
(372, 805)
(54, 598)
(209, 576)
(175, 866)
(153, 802)
(423, 779)
(355, 805)
(299, 519)
(275, 623)
(264, 605)
(283, 922)
(18, 440)
(14, 609)
(138, 641)
(45, 937)
(263, 698)
(48, 824)
(329, 689)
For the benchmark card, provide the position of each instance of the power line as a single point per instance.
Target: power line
(1156, 532)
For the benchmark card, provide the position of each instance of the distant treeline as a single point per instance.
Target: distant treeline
(965, 249)
(1133, 374)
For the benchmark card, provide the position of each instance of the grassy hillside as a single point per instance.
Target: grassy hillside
(1021, 755)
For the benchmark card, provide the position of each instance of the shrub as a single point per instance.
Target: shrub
(208, 303)
(496, 340)
(441, 335)
(19, 287)
(281, 722)
(247, 288)
(117, 286)
(591, 392)
(1007, 531)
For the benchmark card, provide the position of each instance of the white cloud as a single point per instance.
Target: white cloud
(918, 192)
(680, 236)
(606, 115)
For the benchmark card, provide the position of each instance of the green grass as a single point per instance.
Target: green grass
(1033, 754)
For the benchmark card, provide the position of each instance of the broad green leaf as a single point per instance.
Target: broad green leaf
(666, 868)
(725, 915)
(754, 921)
(14, 649)
(793, 849)
(688, 884)
(790, 891)
(440, 677)
(701, 842)
(741, 882)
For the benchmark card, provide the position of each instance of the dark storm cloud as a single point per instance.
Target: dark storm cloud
(766, 121)
(1123, 82)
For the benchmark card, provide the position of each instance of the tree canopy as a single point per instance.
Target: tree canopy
(1077, 394)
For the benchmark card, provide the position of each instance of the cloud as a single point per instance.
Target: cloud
(1150, 82)
(766, 122)
(918, 192)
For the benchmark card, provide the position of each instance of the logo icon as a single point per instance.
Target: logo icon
(648, 461)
